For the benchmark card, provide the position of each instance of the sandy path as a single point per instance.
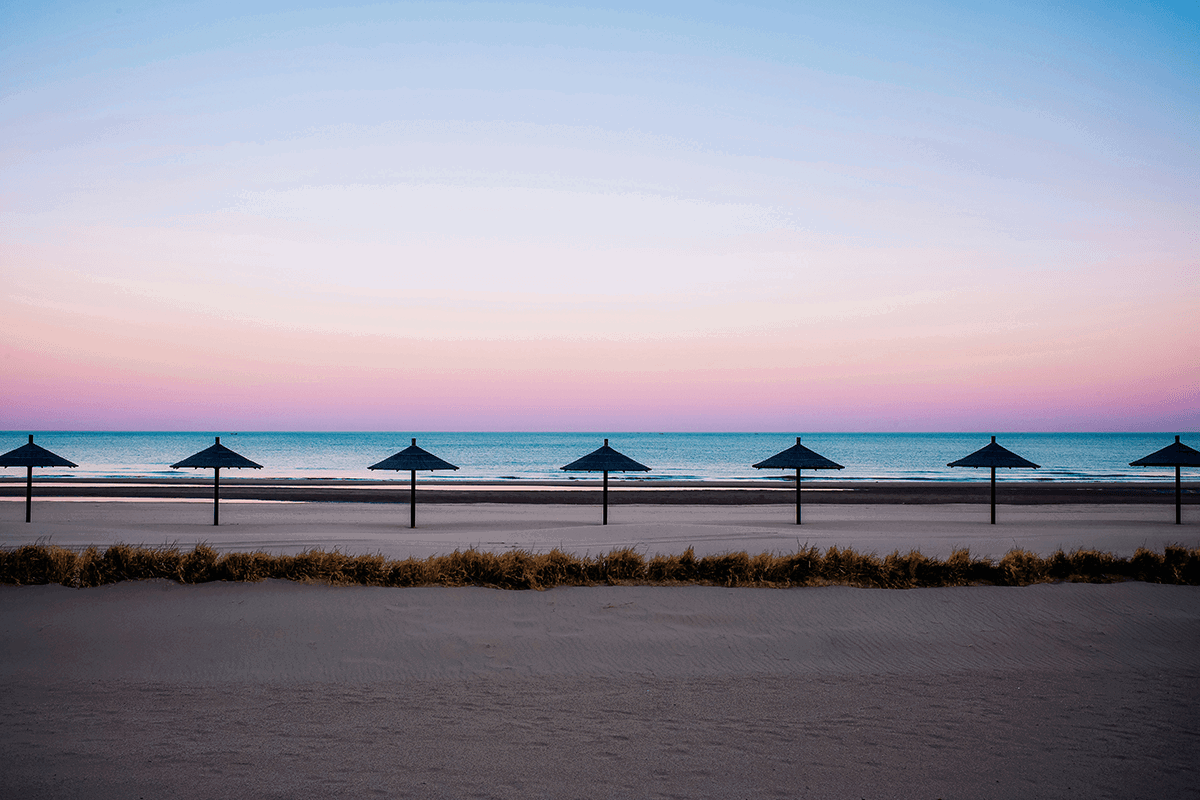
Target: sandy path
(357, 528)
(280, 689)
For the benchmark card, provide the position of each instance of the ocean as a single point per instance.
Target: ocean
(538, 456)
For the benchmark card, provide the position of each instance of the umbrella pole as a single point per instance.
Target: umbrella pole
(412, 499)
(797, 495)
(29, 490)
(605, 497)
(1178, 498)
(216, 495)
(993, 495)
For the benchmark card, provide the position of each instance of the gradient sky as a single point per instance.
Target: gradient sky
(618, 216)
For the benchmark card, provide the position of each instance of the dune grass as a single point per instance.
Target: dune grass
(519, 569)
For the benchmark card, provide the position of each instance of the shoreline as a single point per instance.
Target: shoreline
(623, 491)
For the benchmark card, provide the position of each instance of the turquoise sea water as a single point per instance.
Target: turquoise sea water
(672, 456)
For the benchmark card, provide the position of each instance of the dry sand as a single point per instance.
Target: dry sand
(358, 528)
(282, 690)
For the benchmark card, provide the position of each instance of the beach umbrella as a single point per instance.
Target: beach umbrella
(29, 456)
(216, 458)
(413, 458)
(993, 456)
(1173, 455)
(797, 457)
(605, 460)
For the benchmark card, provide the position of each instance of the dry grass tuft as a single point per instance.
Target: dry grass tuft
(38, 563)
(683, 568)
(1021, 568)
(520, 569)
(250, 567)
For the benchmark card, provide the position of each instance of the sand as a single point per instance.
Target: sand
(282, 690)
(355, 528)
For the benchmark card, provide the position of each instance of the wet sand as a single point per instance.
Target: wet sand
(624, 491)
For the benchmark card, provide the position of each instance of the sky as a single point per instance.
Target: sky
(696, 216)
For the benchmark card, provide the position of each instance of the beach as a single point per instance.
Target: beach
(423, 399)
(282, 689)
(289, 516)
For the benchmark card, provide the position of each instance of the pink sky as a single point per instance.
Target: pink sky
(127, 363)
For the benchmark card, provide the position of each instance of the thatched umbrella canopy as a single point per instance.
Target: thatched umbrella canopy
(29, 456)
(797, 457)
(413, 458)
(993, 456)
(605, 460)
(1174, 455)
(216, 458)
